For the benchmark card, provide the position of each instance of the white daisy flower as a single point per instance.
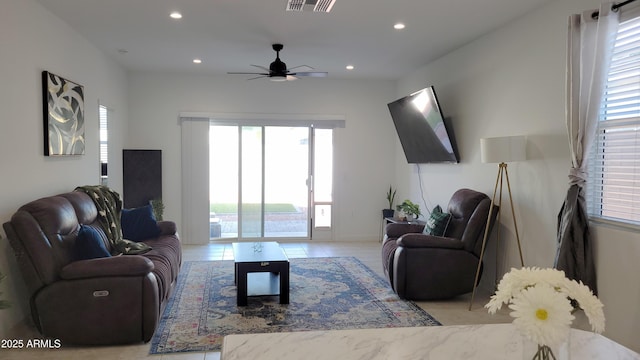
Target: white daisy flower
(542, 314)
(541, 303)
(590, 304)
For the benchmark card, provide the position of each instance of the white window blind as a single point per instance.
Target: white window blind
(104, 153)
(614, 168)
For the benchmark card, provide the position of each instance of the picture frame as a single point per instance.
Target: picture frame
(63, 113)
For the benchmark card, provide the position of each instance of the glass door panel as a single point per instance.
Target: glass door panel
(286, 205)
(223, 181)
(322, 184)
(323, 165)
(251, 196)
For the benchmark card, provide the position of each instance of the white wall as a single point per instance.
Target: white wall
(33, 40)
(511, 82)
(364, 149)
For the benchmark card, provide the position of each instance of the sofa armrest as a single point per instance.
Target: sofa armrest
(429, 241)
(167, 227)
(123, 265)
(395, 230)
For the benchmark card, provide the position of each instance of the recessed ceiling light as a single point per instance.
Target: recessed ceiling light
(197, 61)
(175, 15)
(350, 67)
(399, 26)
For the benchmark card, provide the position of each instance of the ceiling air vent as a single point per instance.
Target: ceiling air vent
(310, 5)
(295, 5)
(323, 5)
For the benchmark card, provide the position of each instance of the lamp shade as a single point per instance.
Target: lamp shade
(503, 149)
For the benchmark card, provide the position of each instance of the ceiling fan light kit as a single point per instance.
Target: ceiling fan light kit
(278, 70)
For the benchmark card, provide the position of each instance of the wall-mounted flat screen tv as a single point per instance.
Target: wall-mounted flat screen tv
(421, 128)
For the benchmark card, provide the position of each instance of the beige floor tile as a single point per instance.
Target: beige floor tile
(185, 356)
(212, 355)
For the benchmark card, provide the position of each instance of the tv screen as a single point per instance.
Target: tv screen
(421, 128)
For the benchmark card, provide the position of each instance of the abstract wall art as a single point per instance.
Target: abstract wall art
(63, 102)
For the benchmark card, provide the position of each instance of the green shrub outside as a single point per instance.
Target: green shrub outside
(269, 208)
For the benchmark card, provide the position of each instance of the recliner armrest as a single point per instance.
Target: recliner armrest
(429, 241)
(395, 230)
(167, 227)
(123, 265)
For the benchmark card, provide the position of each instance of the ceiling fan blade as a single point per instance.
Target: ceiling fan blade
(311, 73)
(258, 77)
(262, 67)
(301, 66)
(247, 73)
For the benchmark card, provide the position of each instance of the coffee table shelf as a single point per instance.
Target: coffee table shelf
(259, 266)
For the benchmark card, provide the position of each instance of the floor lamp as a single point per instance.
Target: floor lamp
(500, 150)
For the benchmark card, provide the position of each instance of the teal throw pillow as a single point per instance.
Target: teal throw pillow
(437, 222)
(89, 244)
(139, 224)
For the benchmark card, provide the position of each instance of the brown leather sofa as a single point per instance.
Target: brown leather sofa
(426, 267)
(108, 300)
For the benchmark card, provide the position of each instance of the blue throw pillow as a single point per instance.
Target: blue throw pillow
(437, 223)
(139, 224)
(89, 244)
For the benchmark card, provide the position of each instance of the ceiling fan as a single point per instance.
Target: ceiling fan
(278, 70)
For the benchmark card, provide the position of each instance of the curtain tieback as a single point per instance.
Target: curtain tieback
(577, 176)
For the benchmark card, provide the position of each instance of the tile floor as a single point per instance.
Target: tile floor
(452, 312)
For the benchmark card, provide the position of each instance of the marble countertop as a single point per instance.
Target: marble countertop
(491, 341)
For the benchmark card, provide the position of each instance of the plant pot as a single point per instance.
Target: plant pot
(387, 213)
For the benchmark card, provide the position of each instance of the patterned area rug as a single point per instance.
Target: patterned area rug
(326, 293)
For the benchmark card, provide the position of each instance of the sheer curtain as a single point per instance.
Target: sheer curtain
(590, 42)
(195, 180)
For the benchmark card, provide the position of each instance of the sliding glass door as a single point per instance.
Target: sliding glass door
(259, 181)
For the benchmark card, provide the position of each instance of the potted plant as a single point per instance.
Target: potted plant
(391, 195)
(411, 210)
(158, 208)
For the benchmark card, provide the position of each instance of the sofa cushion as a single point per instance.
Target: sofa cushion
(139, 223)
(437, 222)
(166, 256)
(388, 252)
(89, 244)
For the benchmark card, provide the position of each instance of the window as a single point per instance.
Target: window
(614, 168)
(104, 153)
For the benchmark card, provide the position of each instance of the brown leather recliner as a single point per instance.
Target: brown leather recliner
(108, 300)
(426, 267)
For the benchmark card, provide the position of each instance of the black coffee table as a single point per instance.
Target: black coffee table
(258, 266)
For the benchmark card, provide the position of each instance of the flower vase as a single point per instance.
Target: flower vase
(534, 351)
